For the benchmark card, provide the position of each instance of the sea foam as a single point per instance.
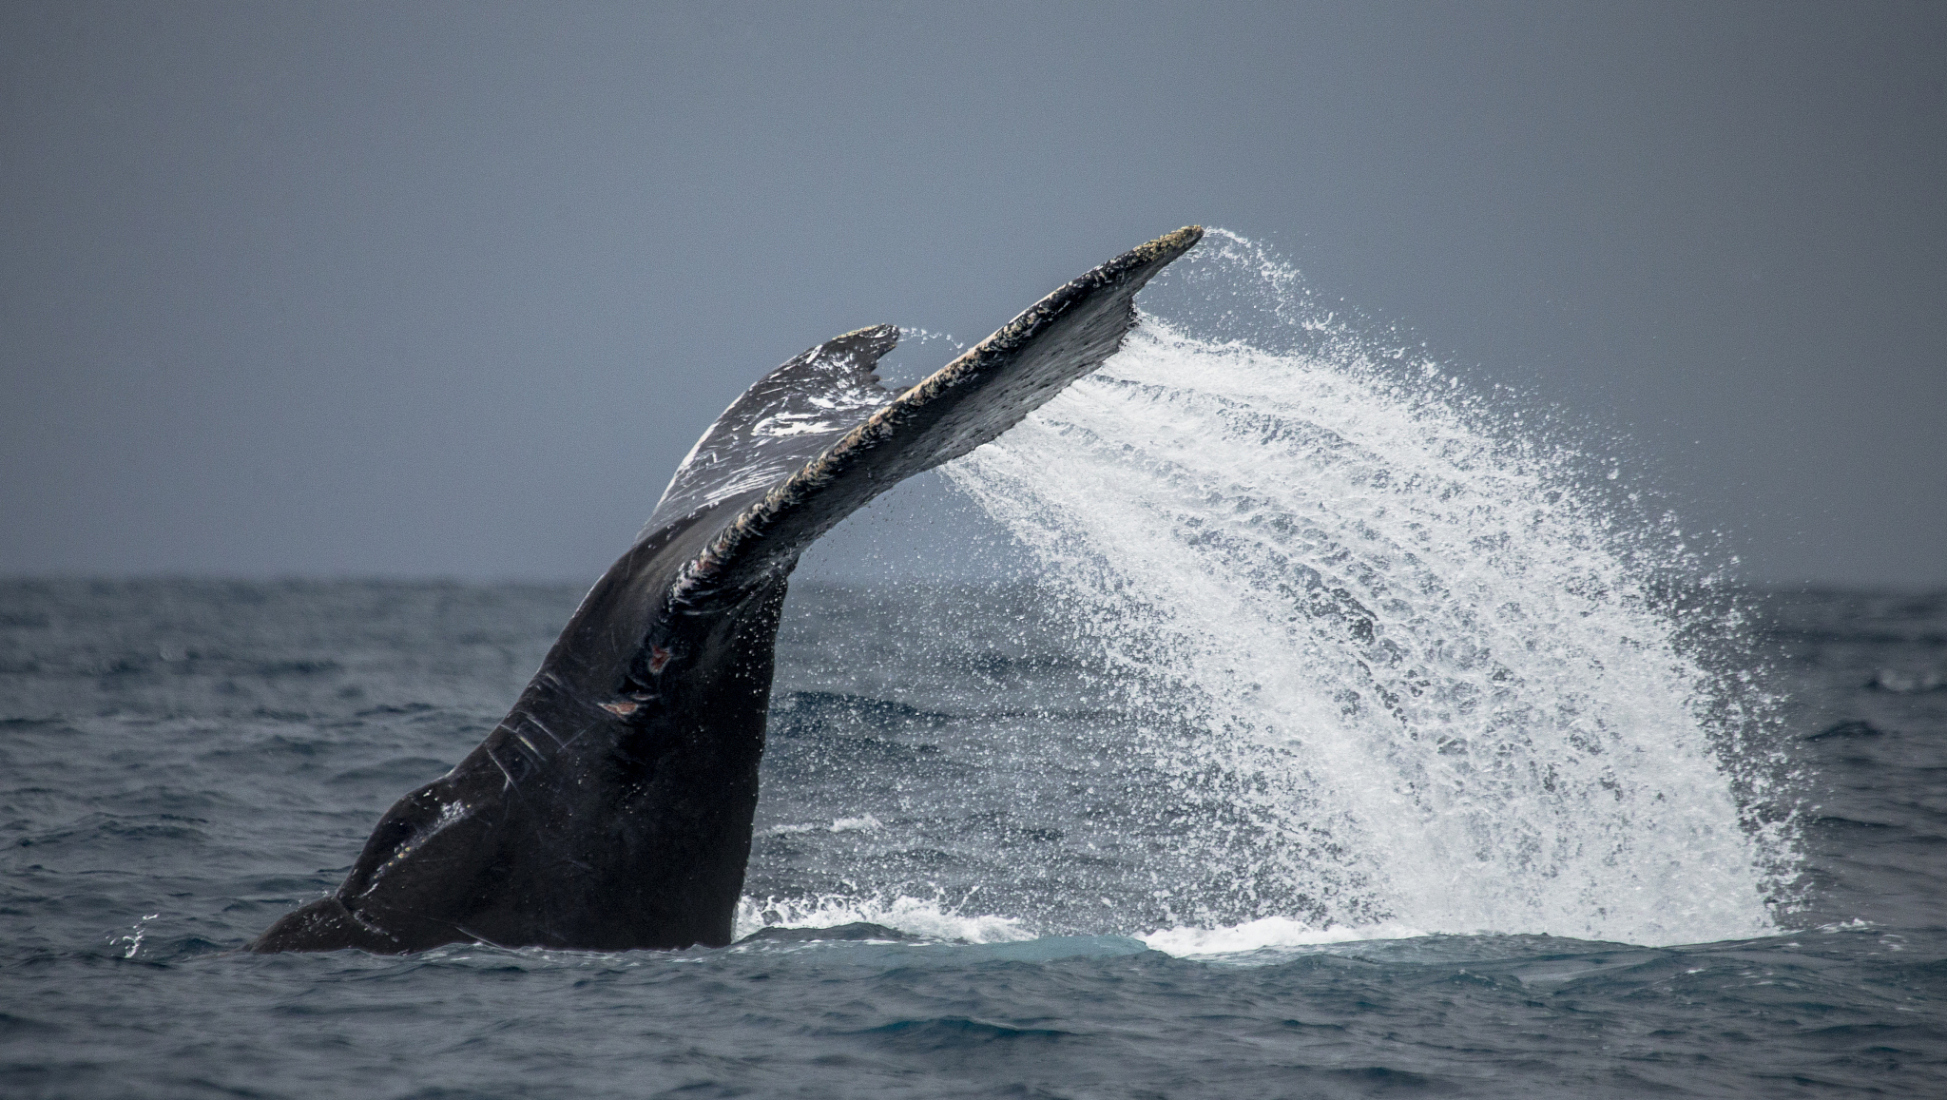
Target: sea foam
(924, 918)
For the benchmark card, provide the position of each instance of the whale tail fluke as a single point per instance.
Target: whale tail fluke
(612, 807)
(968, 402)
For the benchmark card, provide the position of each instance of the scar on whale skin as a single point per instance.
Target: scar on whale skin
(631, 826)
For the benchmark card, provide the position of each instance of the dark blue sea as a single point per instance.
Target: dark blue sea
(183, 761)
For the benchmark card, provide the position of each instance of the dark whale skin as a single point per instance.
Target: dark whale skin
(611, 809)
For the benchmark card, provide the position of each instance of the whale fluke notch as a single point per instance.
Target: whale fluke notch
(612, 807)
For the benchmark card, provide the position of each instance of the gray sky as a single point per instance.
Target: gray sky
(449, 289)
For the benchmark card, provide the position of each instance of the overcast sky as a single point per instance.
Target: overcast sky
(429, 289)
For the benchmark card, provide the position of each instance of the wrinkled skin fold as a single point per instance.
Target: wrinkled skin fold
(611, 809)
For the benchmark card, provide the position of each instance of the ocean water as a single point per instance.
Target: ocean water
(1346, 733)
(181, 762)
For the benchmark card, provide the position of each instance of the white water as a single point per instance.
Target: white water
(1397, 670)
(922, 917)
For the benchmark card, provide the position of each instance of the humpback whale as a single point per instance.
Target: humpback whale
(611, 809)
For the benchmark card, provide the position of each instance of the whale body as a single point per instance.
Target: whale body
(611, 809)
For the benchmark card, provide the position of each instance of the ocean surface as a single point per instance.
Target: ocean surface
(1344, 732)
(181, 762)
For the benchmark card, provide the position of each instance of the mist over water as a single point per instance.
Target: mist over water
(1391, 665)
